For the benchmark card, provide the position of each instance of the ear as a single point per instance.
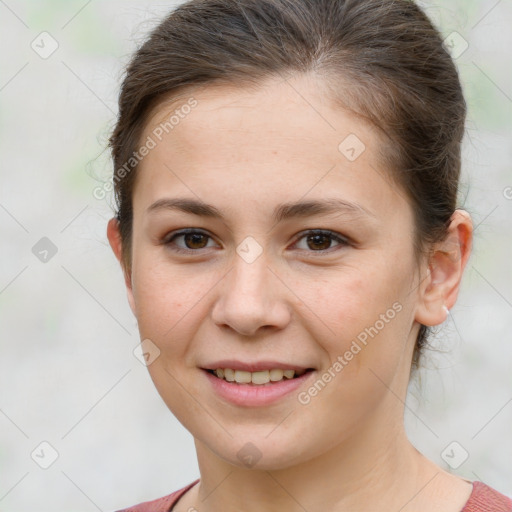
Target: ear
(114, 238)
(445, 269)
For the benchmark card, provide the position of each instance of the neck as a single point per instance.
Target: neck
(361, 473)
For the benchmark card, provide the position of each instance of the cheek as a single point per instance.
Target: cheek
(167, 303)
(360, 316)
(169, 312)
(364, 348)
(351, 299)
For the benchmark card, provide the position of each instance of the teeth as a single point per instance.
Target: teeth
(242, 377)
(276, 375)
(259, 378)
(229, 375)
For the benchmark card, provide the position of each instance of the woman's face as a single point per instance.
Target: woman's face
(252, 289)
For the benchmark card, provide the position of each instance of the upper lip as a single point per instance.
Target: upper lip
(254, 366)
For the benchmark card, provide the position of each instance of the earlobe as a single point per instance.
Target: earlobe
(115, 241)
(439, 290)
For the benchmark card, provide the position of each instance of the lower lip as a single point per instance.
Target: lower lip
(253, 395)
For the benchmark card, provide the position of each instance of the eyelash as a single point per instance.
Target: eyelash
(168, 241)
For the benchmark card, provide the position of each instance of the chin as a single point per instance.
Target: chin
(259, 453)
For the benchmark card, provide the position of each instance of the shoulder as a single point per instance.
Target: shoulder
(162, 504)
(486, 499)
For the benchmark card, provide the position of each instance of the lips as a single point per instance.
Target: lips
(260, 393)
(256, 372)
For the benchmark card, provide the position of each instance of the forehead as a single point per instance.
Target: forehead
(272, 114)
(284, 137)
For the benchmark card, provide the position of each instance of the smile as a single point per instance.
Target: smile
(258, 378)
(258, 388)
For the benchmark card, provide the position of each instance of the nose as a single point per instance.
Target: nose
(251, 297)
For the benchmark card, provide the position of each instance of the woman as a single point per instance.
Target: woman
(286, 174)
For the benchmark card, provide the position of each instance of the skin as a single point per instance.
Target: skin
(245, 151)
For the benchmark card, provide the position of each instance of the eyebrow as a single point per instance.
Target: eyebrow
(281, 212)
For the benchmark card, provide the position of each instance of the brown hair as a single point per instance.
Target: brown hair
(382, 59)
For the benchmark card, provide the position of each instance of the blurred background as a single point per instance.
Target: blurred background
(82, 427)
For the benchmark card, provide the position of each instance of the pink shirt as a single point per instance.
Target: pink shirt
(482, 499)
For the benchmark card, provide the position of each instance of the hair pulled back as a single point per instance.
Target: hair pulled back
(382, 59)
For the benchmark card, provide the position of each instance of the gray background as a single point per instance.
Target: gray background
(68, 375)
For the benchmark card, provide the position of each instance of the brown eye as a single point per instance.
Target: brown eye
(318, 240)
(321, 242)
(193, 241)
